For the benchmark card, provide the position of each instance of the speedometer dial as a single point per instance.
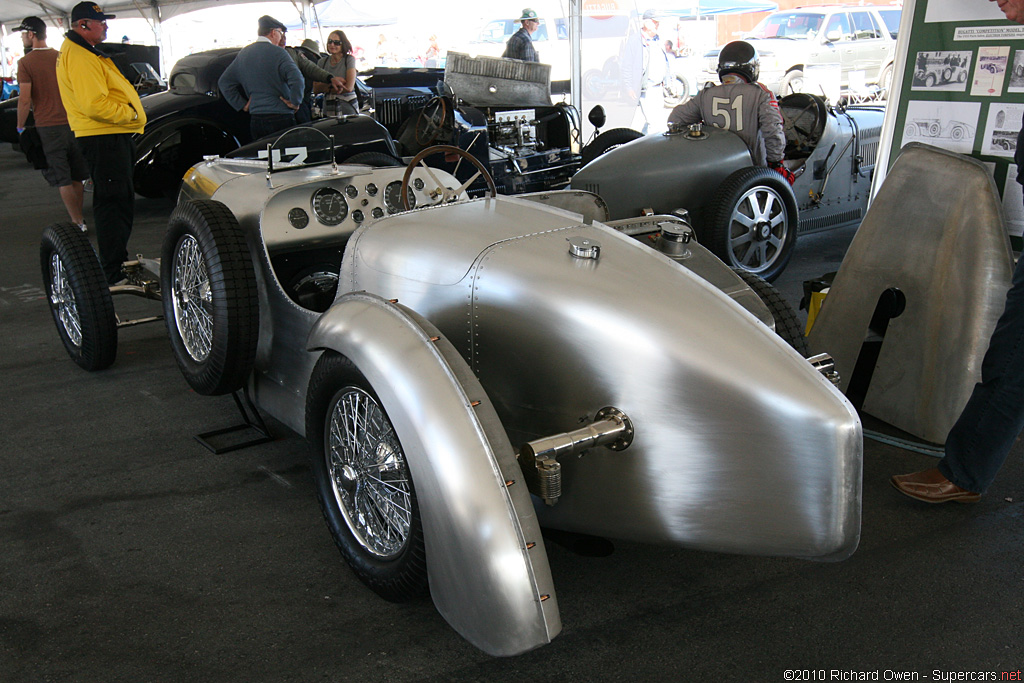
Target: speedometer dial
(393, 197)
(329, 206)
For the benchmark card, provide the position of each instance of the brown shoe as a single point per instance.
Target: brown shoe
(931, 486)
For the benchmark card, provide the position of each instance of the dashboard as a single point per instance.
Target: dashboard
(327, 208)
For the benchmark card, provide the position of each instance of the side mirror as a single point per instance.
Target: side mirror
(834, 36)
(597, 116)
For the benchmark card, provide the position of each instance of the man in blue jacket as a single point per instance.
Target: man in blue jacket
(265, 81)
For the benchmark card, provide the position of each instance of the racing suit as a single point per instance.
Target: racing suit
(748, 109)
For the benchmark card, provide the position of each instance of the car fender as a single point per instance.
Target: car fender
(165, 152)
(487, 566)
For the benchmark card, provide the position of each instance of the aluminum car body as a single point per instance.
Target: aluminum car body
(740, 444)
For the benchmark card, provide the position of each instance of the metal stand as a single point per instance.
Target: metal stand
(251, 420)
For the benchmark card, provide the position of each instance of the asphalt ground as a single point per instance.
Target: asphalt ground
(128, 552)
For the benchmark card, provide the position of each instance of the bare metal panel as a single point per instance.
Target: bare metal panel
(486, 562)
(493, 81)
(936, 232)
(741, 446)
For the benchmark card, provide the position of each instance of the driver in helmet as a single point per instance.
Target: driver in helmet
(742, 105)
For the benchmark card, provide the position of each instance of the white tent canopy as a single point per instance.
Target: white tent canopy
(52, 11)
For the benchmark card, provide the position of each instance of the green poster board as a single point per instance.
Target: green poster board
(959, 85)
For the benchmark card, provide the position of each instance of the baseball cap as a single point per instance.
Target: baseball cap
(34, 24)
(89, 10)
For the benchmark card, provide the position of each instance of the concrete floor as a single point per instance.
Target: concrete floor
(130, 553)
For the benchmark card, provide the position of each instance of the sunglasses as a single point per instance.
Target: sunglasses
(334, 42)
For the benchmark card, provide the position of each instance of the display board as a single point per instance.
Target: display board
(959, 85)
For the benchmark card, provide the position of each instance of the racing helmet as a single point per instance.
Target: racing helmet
(739, 57)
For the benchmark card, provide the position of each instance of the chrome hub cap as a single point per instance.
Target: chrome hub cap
(758, 230)
(368, 473)
(63, 300)
(192, 299)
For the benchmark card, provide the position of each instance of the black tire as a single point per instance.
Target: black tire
(217, 350)
(725, 233)
(79, 298)
(675, 90)
(353, 507)
(792, 82)
(607, 141)
(375, 159)
(787, 323)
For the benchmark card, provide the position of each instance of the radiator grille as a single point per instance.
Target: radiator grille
(392, 111)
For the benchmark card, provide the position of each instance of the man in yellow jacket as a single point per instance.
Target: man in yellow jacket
(104, 112)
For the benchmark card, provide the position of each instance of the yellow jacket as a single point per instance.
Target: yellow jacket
(98, 99)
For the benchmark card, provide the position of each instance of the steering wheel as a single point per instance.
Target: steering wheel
(432, 118)
(442, 194)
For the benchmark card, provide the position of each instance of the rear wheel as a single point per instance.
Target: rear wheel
(363, 482)
(675, 90)
(606, 142)
(787, 323)
(210, 300)
(79, 298)
(751, 222)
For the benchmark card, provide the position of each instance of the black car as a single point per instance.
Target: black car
(187, 122)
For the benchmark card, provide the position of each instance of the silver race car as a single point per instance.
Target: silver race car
(746, 215)
(467, 372)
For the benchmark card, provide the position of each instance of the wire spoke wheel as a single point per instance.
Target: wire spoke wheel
(62, 298)
(192, 299)
(369, 474)
(78, 296)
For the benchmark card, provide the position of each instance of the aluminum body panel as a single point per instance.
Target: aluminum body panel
(936, 232)
(740, 445)
(486, 578)
(663, 172)
(490, 81)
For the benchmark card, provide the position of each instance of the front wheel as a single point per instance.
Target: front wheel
(79, 298)
(210, 301)
(363, 481)
(752, 222)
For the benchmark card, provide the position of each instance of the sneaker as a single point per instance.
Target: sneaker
(81, 226)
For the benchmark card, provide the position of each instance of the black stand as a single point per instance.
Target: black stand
(251, 420)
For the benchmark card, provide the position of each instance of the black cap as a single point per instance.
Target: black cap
(34, 24)
(89, 10)
(269, 23)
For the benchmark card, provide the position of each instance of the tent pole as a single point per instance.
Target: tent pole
(575, 62)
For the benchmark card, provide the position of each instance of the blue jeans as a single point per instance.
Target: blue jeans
(981, 439)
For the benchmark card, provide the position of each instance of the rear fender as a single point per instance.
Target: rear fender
(486, 562)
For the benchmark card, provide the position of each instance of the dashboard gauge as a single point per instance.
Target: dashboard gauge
(371, 190)
(352, 191)
(298, 218)
(377, 212)
(329, 206)
(418, 183)
(393, 197)
(357, 216)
